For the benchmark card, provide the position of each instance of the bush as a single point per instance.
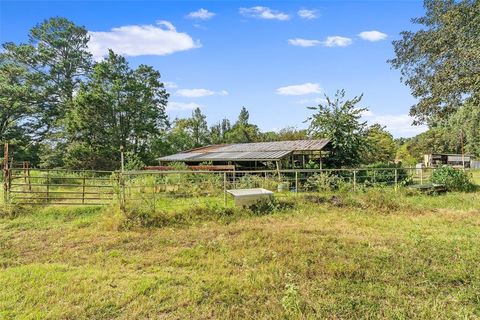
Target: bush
(324, 182)
(453, 179)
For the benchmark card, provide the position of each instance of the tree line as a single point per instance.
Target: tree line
(60, 108)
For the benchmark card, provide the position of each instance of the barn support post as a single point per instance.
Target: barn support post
(278, 170)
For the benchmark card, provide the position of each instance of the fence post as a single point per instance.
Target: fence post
(354, 180)
(122, 192)
(421, 176)
(48, 186)
(296, 182)
(6, 173)
(396, 179)
(83, 189)
(225, 189)
(154, 194)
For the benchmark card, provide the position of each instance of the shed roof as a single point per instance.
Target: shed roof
(258, 151)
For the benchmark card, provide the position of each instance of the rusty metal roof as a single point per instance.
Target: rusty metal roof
(257, 151)
(227, 156)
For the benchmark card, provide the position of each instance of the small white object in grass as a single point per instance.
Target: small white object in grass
(247, 197)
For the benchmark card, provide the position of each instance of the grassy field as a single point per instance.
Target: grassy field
(370, 255)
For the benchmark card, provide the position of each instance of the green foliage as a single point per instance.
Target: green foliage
(242, 131)
(326, 181)
(453, 179)
(439, 62)
(198, 129)
(339, 121)
(380, 146)
(383, 173)
(15, 100)
(56, 59)
(133, 161)
(465, 124)
(218, 132)
(119, 106)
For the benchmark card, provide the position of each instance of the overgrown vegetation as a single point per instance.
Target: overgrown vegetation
(370, 254)
(453, 179)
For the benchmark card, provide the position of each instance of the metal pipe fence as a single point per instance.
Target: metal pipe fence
(60, 187)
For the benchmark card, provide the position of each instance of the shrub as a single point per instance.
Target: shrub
(267, 206)
(325, 182)
(453, 179)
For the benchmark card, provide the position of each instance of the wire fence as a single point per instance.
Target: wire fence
(170, 189)
(174, 189)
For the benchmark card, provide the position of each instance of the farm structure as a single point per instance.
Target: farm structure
(255, 156)
(454, 160)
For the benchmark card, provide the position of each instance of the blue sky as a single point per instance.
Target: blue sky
(275, 58)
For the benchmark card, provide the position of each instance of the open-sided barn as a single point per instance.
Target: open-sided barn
(258, 155)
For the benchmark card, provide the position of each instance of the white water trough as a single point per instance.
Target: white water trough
(247, 197)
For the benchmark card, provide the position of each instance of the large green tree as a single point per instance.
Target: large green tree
(243, 131)
(339, 120)
(119, 106)
(15, 104)
(16, 110)
(380, 146)
(465, 123)
(197, 128)
(218, 131)
(57, 59)
(440, 62)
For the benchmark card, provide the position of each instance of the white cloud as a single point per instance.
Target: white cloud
(337, 41)
(196, 93)
(313, 101)
(136, 40)
(307, 14)
(303, 42)
(299, 89)
(202, 14)
(263, 13)
(399, 125)
(170, 85)
(373, 35)
(181, 106)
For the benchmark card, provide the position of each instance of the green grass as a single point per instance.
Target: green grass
(378, 255)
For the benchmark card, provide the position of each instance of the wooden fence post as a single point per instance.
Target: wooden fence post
(48, 186)
(83, 189)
